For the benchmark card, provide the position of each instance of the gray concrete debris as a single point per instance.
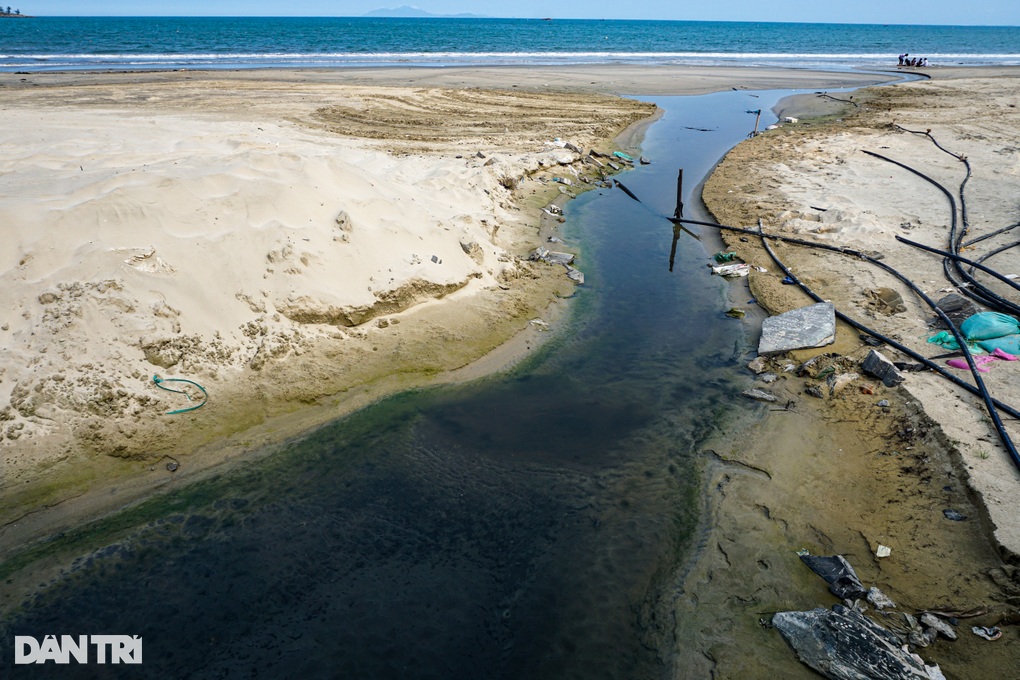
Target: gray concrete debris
(838, 383)
(758, 365)
(938, 625)
(551, 256)
(759, 394)
(815, 391)
(957, 308)
(811, 326)
(768, 378)
(879, 599)
(575, 275)
(843, 644)
(877, 365)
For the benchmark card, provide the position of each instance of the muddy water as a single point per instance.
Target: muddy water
(529, 525)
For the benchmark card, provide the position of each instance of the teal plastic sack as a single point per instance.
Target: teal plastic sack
(1007, 343)
(944, 339)
(988, 325)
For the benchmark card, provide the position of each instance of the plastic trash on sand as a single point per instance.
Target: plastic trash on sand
(721, 257)
(735, 269)
(988, 325)
(989, 633)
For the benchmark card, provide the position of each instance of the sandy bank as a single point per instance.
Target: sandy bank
(299, 243)
(844, 474)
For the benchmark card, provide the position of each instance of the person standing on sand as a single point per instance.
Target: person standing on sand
(903, 59)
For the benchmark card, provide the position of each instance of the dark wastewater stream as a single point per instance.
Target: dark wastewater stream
(529, 525)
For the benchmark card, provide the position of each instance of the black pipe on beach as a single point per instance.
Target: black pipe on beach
(1005, 408)
(973, 289)
(967, 244)
(837, 99)
(974, 264)
(626, 190)
(991, 404)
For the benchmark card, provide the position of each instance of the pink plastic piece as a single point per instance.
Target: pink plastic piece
(1005, 356)
(962, 363)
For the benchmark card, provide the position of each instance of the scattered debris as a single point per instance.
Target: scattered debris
(953, 515)
(837, 572)
(883, 551)
(938, 625)
(885, 300)
(575, 275)
(876, 364)
(815, 391)
(839, 382)
(759, 394)
(733, 270)
(879, 599)
(956, 307)
(990, 633)
(735, 313)
(550, 256)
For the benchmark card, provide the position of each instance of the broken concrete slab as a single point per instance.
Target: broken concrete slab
(876, 364)
(575, 275)
(811, 326)
(551, 256)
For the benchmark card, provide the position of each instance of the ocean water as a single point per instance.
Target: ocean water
(62, 43)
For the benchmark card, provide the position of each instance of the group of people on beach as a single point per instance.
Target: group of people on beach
(907, 60)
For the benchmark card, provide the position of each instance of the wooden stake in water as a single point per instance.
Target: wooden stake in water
(757, 119)
(679, 212)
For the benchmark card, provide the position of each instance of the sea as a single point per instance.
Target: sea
(132, 43)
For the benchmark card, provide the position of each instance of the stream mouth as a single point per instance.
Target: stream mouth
(526, 525)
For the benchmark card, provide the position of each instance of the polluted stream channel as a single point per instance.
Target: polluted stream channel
(528, 525)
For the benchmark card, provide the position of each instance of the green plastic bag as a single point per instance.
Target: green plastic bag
(944, 339)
